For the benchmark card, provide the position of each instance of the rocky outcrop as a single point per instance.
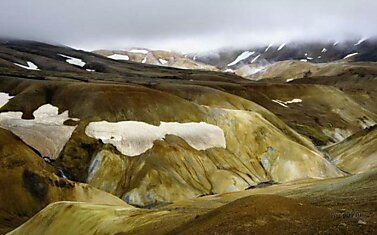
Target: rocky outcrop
(29, 184)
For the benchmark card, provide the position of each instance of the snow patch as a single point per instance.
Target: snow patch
(281, 46)
(141, 51)
(144, 60)
(248, 71)
(293, 101)
(90, 70)
(119, 57)
(30, 66)
(73, 60)
(243, 56)
(285, 103)
(133, 138)
(289, 79)
(281, 103)
(360, 41)
(46, 132)
(4, 98)
(162, 61)
(350, 55)
(257, 57)
(324, 50)
(253, 71)
(304, 60)
(269, 46)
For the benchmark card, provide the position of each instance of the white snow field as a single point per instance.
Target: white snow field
(133, 138)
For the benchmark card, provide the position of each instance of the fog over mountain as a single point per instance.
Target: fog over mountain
(194, 25)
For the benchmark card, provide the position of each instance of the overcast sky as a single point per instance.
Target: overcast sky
(185, 25)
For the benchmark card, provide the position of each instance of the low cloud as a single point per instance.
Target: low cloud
(185, 25)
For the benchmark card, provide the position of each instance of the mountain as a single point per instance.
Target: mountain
(156, 57)
(259, 62)
(363, 49)
(156, 143)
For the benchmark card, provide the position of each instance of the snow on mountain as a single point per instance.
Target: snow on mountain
(156, 57)
(255, 59)
(281, 46)
(73, 60)
(314, 51)
(243, 56)
(141, 51)
(30, 66)
(268, 47)
(163, 61)
(350, 55)
(4, 98)
(360, 41)
(285, 103)
(119, 57)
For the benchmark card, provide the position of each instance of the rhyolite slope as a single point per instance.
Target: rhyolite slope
(264, 142)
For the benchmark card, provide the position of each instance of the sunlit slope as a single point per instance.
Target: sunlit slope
(323, 113)
(311, 206)
(259, 147)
